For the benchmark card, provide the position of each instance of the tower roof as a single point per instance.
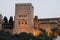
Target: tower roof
(24, 4)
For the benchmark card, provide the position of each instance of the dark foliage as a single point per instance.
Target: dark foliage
(24, 36)
(11, 22)
(8, 25)
(11, 19)
(5, 19)
(55, 29)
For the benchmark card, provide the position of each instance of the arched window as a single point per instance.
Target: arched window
(25, 22)
(22, 23)
(19, 23)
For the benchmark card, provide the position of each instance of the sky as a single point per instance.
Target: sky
(42, 8)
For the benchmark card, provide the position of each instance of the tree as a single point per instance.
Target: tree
(58, 30)
(43, 35)
(5, 22)
(54, 31)
(5, 19)
(15, 37)
(31, 36)
(11, 23)
(5, 35)
(23, 36)
(11, 19)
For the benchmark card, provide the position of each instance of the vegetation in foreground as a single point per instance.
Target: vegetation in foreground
(24, 36)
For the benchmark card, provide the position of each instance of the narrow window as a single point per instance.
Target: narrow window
(19, 23)
(25, 22)
(22, 22)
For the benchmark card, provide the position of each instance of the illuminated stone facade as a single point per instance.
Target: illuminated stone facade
(46, 24)
(24, 21)
(23, 17)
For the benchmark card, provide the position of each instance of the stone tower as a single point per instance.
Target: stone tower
(0, 21)
(23, 18)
